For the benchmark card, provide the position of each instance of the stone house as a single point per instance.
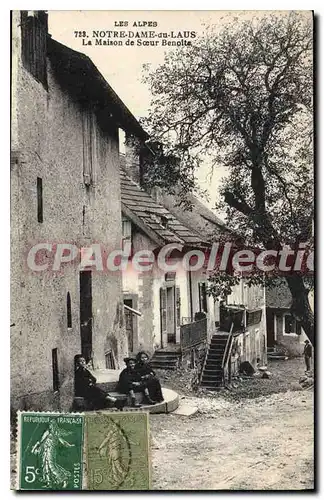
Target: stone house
(283, 329)
(246, 304)
(166, 304)
(65, 188)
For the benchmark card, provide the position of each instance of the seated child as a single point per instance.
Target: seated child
(85, 387)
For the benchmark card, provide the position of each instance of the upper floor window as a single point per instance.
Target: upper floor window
(33, 43)
(202, 297)
(68, 310)
(126, 230)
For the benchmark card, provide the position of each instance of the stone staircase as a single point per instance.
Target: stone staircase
(212, 376)
(164, 359)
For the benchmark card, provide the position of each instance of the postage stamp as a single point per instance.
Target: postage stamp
(50, 451)
(117, 447)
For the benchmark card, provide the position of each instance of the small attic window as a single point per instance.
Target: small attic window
(164, 221)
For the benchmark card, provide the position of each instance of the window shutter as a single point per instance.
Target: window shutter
(34, 46)
(178, 305)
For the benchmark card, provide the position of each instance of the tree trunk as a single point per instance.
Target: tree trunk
(300, 305)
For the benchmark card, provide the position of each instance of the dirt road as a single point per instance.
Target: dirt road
(259, 444)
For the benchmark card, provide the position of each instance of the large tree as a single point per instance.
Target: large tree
(241, 97)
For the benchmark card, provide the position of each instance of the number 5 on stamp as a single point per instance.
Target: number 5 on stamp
(117, 446)
(50, 451)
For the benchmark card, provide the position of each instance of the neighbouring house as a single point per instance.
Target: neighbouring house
(65, 188)
(245, 305)
(283, 329)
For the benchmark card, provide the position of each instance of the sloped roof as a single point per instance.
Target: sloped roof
(200, 218)
(146, 213)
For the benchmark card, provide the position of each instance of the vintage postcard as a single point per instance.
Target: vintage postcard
(162, 250)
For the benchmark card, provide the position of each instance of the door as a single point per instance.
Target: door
(86, 314)
(129, 320)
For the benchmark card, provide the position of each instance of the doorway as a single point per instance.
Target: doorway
(129, 322)
(86, 314)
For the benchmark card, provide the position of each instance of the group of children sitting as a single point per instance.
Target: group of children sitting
(138, 376)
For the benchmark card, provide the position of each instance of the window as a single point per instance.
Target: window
(68, 310)
(122, 141)
(291, 325)
(178, 305)
(56, 381)
(39, 199)
(110, 363)
(126, 230)
(163, 309)
(202, 297)
(253, 317)
(33, 43)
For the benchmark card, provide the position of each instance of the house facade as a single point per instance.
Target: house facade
(65, 189)
(165, 299)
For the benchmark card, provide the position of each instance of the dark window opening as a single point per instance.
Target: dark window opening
(163, 309)
(164, 221)
(178, 305)
(126, 231)
(202, 297)
(292, 325)
(39, 199)
(34, 43)
(253, 317)
(68, 310)
(56, 381)
(86, 314)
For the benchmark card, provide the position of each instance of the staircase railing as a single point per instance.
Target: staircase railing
(227, 354)
(193, 334)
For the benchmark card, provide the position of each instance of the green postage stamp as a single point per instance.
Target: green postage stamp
(50, 451)
(117, 451)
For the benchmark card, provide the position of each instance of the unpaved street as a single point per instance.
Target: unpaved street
(264, 443)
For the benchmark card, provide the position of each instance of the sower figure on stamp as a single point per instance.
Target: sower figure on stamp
(130, 381)
(85, 385)
(53, 474)
(308, 355)
(153, 390)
